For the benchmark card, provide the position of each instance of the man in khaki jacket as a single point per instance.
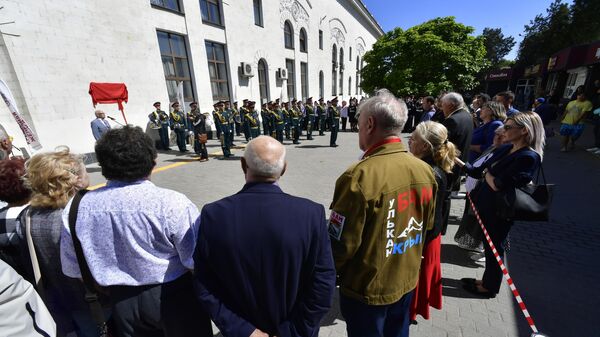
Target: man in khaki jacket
(382, 207)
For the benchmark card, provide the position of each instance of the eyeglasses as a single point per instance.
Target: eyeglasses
(508, 127)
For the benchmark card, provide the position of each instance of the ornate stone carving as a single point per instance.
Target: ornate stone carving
(360, 50)
(295, 10)
(338, 36)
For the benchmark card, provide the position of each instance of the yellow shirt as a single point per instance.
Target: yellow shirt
(574, 111)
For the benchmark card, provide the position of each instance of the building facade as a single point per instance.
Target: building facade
(217, 49)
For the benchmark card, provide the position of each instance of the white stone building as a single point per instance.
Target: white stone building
(151, 45)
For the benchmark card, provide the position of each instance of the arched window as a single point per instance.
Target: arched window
(357, 74)
(350, 54)
(333, 70)
(263, 80)
(288, 35)
(303, 42)
(341, 87)
(321, 84)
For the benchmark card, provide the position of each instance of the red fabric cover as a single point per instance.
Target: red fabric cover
(109, 93)
(429, 288)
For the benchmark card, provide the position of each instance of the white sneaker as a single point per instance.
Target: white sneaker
(458, 195)
(593, 149)
(597, 152)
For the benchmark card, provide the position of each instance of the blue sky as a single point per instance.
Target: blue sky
(509, 15)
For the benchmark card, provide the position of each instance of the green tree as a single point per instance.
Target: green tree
(437, 55)
(546, 35)
(585, 23)
(496, 45)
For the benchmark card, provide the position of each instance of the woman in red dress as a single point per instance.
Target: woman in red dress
(429, 142)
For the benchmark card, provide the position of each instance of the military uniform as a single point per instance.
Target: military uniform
(264, 114)
(160, 119)
(334, 122)
(251, 119)
(322, 115)
(217, 120)
(286, 120)
(179, 126)
(197, 121)
(310, 118)
(278, 118)
(237, 117)
(295, 116)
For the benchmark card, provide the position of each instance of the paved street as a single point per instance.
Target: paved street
(552, 263)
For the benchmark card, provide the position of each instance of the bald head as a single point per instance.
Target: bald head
(99, 113)
(264, 159)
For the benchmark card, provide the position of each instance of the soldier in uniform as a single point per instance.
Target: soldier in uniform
(322, 115)
(197, 121)
(160, 121)
(245, 126)
(264, 114)
(310, 117)
(229, 112)
(334, 121)
(216, 119)
(179, 125)
(295, 118)
(251, 119)
(278, 119)
(225, 121)
(285, 106)
(237, 117)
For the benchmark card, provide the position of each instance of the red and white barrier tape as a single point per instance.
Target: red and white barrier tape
(509, 280)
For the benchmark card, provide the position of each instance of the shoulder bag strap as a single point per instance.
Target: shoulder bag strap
(91, 295)
(37, 274)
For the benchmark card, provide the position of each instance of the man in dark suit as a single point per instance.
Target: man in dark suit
(263, 257)
(459, 123)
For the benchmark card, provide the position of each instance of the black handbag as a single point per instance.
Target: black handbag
(528, 203)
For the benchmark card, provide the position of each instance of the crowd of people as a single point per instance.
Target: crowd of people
(262, 262)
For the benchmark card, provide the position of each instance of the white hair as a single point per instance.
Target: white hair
(389, 112)
(536, 136)
(455, 99)
(270, 162)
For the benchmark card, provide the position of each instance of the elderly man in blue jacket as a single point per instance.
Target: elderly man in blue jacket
(263, 262)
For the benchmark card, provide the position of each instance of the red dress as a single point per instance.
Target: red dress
(429, 288)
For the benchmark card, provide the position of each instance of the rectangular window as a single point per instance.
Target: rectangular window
(176, 66)
(291, 81)
(258, 18)
(211, 11)
(304, 80)
(168, 4)
(217, 70)
(321, 39)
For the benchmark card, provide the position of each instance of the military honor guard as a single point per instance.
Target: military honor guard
(322, 115)
(296, 122)
(245, 126)
(178, 125)
(197, 121)
(309, 114)
(216, 119)
(334, 121)
(251, 119)
(160, 121)
(264, 115)
(278, 118)
(237, 117)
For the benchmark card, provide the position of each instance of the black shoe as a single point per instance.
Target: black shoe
(472, 288)
(413, 322)
(296, 143)
(333, 145)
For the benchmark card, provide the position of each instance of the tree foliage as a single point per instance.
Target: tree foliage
(437, 55)
(562, 26)
(496, 45)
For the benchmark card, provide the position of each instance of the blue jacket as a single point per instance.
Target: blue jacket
(99, 127)
(263, 260)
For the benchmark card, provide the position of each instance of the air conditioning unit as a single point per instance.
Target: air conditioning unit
(282, 73)
(247, 70)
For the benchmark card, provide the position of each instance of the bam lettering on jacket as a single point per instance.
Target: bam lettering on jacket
(405, 200)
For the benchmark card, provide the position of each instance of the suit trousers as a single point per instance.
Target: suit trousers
(363, 320)
(180, 139)
(163, 132)
(159, 310)
(498, 230)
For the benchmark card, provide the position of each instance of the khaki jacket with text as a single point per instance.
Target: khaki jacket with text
(382, 207)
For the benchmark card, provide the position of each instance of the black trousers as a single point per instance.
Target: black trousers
(498, 230)
(159, 310)
(344, 121)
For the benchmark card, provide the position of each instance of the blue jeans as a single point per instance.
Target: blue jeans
(363, 320)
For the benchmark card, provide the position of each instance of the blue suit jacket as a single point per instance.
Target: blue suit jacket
(263, 260)
(99, 128)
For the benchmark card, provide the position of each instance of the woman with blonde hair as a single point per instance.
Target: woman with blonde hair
(429, 142)
(512, 166)
(53, 178)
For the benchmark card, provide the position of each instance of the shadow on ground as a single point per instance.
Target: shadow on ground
(453, 254)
